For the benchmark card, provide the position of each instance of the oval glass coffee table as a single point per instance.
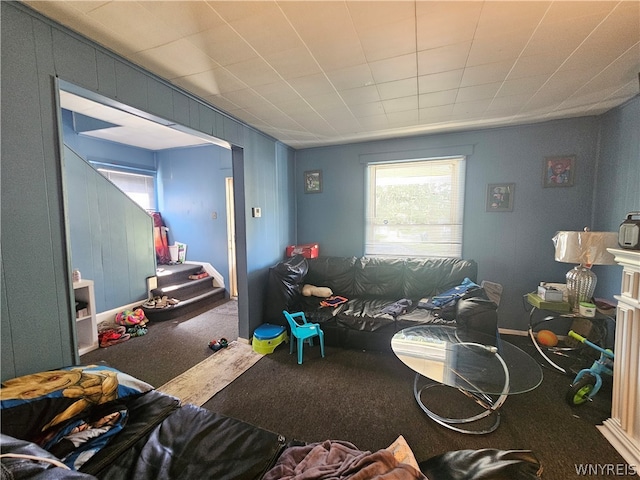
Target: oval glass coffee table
(480, 366)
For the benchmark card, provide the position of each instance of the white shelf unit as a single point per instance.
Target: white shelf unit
(86, 325)
(623, 428)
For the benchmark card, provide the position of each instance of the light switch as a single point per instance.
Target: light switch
(256, 212)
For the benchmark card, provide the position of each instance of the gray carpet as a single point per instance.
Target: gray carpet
(170, 347)
(366, 398)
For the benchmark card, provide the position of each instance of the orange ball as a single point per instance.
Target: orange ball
(547, 338)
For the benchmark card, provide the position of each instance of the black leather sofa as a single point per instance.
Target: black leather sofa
(370, 284)
(162, 439)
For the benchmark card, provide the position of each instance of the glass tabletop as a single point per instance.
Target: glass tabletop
(466, 359)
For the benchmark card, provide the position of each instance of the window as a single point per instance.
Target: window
(138, 187)
(414, 208)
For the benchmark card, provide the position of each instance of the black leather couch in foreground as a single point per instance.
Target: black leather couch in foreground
(370, 284)
(88, 422)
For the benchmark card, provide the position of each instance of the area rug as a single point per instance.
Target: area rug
(204, 380)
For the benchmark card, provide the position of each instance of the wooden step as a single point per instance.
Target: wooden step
(185, 307)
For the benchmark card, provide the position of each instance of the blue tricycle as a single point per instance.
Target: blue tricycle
(589, 380)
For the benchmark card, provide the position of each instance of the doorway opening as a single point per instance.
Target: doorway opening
(113, 253)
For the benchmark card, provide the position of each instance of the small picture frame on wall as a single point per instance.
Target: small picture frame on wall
(313, 181)
(558, 171)
(500, 197)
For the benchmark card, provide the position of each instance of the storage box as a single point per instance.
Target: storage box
(308, 250)
(549, 294)
(267, 337)
(535, 300)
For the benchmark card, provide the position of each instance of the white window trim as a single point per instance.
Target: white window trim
(415, 247)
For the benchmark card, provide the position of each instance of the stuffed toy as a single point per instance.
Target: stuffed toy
(313, 291)
(130, 318)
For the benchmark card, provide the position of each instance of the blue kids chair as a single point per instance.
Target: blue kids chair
(303, 332)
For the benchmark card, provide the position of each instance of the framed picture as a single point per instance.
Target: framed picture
(558, 171)
(313, 181)
(500, 197)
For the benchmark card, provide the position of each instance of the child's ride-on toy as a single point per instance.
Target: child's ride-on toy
(589, 380)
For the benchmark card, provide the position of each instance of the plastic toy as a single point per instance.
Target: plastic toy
(589, 380)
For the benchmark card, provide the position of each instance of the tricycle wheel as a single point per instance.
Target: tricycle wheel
(579, 392)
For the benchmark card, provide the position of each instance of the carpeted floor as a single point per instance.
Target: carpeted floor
(367, 399)
(171, 347)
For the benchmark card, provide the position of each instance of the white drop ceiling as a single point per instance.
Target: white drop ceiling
(313, 73)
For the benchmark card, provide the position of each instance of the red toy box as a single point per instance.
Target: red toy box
(308, 250)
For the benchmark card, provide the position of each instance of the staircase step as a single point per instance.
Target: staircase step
(171, 274)
(187, 306)
(184, 290)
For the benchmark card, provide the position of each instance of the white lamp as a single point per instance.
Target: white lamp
(585, 248)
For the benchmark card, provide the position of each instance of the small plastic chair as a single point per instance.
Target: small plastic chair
(303, 332)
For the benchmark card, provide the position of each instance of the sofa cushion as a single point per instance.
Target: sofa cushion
(337, 273)
(429, 276)
(379, 277)
(365, 314)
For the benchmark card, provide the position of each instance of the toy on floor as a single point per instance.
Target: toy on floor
(547, 338)
(589, 380)
(216, 345)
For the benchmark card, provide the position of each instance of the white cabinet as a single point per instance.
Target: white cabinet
(623, 428)
(86, 325)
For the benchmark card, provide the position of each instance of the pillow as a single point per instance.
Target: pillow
(34, 403)
(313, 291)
(403, 453)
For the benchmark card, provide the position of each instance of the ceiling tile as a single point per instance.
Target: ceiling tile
(175, 59)
(509, 18)
(325, 101)
(293, 63)
(277, 92)
(186, 17)
(477, 92)
(396, 68)
(360, 95)
(442, 59)
(398, 88)
(223, 45)
(437, 99)
(496, 49)
(401, 104)
(521, 86)
(311, 85)
(487, 73)
(351, 77)
(202, 84)
(435, 20)
(371, 14)
(131, 26)
(390, 40)
(338, 66)
(255, 71)
(437, 82)
(367, 109)
(437, 114)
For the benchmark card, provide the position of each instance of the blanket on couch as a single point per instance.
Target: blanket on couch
(339, 460)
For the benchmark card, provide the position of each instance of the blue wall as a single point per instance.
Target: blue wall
(38, 335)
(512, 248)
(617, 189)
(111, 237)
(191, 188)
